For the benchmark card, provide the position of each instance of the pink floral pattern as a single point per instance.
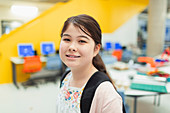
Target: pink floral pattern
(76, 94)
(70, 97)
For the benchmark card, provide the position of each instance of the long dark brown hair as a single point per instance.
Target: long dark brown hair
(91, 27)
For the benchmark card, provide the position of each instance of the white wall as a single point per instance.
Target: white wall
(125, 35)
(6, 14)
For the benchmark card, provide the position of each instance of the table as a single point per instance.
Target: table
(138, 93)
(17, 60)
(124, 75)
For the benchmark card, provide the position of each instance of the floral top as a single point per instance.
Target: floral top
(69, 97)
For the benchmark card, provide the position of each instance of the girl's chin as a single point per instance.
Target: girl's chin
(72, 65)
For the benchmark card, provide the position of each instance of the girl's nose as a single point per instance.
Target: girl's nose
(72, 47)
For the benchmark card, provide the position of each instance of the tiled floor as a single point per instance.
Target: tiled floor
(30, 100)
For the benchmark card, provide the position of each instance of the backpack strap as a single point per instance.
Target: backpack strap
(63, 76)
(89, 90)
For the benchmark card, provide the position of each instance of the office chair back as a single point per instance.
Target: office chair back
(32, 64)
(53, 62)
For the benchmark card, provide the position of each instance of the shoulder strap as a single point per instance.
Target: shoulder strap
(89, 91)
(63, 76)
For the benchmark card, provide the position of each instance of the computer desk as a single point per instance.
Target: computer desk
(16, 61)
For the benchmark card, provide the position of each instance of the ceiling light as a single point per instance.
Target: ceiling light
(26, 11)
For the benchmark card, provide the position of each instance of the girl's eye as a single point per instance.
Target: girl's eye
(66, 40)
(82, 41)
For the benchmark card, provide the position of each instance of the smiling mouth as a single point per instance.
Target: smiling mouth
(72, 56)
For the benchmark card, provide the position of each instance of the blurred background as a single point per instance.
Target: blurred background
(136, 51)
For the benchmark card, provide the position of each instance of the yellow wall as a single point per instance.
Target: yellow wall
(110, 14)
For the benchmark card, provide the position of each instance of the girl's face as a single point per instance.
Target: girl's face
(77, 49)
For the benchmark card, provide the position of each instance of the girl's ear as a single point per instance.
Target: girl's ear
(96, 49)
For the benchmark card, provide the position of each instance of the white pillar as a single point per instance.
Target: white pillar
(156, 27)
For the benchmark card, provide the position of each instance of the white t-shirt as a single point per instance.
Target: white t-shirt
(69, 97)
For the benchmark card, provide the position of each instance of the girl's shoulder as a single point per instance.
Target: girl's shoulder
(105, 92)
(107, 88)
(106, 99)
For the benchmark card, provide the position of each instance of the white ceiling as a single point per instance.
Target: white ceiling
(9, 2)
(41, 4)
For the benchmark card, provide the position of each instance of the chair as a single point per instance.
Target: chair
(52, 69)
(149, 60)
(108, 59)
(50, 72)
(53, 62)
(117, 52)
(32, 64)
(121, 93)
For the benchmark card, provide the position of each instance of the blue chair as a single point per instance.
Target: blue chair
(54, 62)
(108, 59)
(127, 108)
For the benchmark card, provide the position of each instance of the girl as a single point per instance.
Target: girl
(86, 87)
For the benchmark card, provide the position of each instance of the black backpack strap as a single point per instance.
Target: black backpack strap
(89, 91)
(63, 76)
(124, 111)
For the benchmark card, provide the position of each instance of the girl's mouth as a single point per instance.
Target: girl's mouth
(72, 56)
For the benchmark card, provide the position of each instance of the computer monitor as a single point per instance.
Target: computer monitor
(108, 46)
(47, 48)
(117, 46)
(25, 49)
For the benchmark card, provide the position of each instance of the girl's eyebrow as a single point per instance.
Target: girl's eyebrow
(66, 35)
(81, 36)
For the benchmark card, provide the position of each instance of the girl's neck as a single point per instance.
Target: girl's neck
(81, 76)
